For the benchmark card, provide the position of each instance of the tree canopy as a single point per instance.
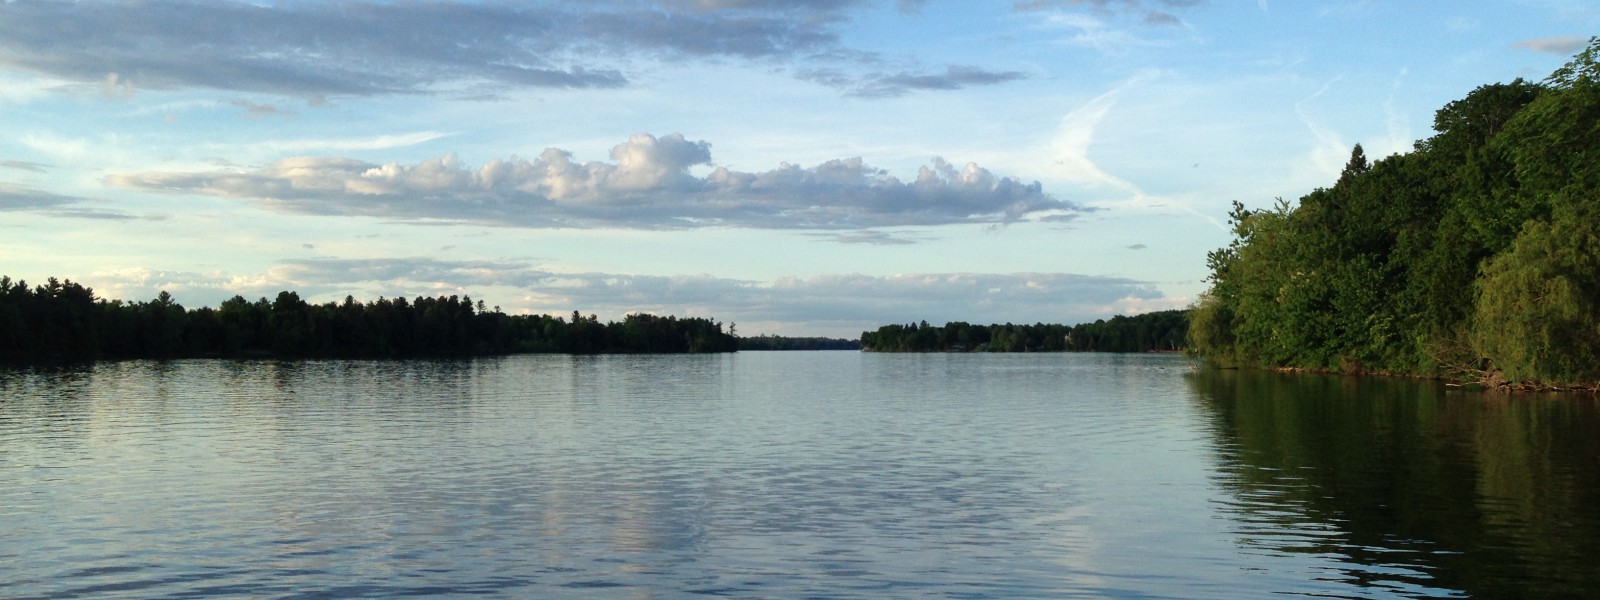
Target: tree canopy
(1472, 257)
(779, 342)
(1155, 331)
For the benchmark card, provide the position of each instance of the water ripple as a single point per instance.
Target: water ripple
(838, 475)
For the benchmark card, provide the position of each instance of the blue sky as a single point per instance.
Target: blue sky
(800, 168)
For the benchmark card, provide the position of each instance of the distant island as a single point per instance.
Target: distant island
(63, 322)
(1475, 257)
(1162, 331)
(778, 342)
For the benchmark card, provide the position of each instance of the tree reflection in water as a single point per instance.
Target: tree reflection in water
(1413, 488)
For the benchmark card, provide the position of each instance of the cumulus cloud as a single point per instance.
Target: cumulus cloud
(842, 304)
(1562, 44)
(365, 48)
(646, 185)
(190, 288)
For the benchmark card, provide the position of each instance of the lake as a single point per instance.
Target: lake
(787, 475)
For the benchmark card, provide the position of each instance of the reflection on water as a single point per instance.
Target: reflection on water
(783, 475)
(1414, 490)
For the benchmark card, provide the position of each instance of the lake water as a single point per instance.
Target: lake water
(786, 475)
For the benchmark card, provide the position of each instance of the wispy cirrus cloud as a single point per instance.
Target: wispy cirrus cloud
(101, 214)
(1110, 26)
(647, 185)
(361, 48)
(15, 198)
(22, 165)
(869, 237)
(889, 85)
(253, 109)
(18, 198)
(376, 142)
(1153, 12)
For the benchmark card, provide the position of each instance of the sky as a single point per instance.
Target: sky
(815, 167)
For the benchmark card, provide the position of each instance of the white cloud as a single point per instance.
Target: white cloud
(1110, 26)
(377, 142)
(1329, 151)
(1076, 134)
(1463, 24)
(648, 185)
(61, 147)
(1397, 128)
(194, 289)
(1092, 32)
(18, 90)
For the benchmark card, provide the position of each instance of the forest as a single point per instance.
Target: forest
(1149, 332)
(1474, 257)
(63, 322)
(779, 342)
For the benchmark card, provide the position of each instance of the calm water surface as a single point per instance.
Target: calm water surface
(786, 475)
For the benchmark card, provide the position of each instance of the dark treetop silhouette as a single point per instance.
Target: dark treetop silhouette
(62, 321)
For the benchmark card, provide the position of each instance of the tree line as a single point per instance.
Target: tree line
(1149, 332)
(1476, 256)
(778, 342)
(62, 321)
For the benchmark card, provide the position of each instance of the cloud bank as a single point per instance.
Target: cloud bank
(317, 49)
(647, 185)
(829, 304)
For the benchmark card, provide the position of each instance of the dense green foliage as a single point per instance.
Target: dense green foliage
(778, 342)
(1157, 331)
(1474, 256)
(64, 322)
